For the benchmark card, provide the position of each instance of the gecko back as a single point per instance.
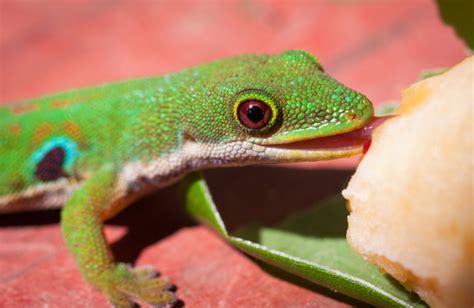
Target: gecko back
(49, 145)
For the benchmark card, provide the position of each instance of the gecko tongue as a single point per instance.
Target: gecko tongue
(357, 138)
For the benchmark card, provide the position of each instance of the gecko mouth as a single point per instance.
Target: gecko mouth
(355, 141)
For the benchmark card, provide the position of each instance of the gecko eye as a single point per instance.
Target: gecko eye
(254, 114)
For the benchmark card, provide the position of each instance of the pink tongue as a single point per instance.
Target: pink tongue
(359, 137)
(366, 131)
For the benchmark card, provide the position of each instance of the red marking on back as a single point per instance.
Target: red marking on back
(60, 103)
(63, 103)
(41, 132)
(72, 129)
(20, 109)
(15, 129)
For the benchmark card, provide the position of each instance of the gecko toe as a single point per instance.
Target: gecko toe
(142, 284)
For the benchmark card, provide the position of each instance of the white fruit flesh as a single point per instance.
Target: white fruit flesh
(411, 199)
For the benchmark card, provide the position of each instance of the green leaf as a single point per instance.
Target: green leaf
(310, 244)
(460, 15)
(387, 108)
(432, 72)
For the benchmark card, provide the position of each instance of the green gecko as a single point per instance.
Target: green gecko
(94, 151)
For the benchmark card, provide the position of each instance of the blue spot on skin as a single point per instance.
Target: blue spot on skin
(69, 146)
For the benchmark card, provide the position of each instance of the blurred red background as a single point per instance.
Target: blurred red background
(376, 47)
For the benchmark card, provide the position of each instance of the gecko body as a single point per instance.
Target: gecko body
(94, 151)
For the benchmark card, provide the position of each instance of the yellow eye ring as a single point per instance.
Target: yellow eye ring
(256, 112)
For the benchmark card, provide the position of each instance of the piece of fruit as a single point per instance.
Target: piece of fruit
(411, 198)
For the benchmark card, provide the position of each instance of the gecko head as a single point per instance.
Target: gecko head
(279, 108)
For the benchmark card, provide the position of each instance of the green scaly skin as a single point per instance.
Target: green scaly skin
(121, 141)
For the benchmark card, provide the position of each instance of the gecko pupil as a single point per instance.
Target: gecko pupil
(50, 168)
(254, 114)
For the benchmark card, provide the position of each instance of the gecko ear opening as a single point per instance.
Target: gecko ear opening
(188, 137)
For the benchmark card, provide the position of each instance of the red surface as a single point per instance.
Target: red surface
(376, 47)
(210, 274)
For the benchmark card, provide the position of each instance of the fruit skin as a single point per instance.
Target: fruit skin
(411, 198)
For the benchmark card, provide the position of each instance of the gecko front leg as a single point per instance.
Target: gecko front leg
(82, 222)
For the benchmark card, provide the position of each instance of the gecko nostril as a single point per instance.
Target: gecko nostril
(350, 116)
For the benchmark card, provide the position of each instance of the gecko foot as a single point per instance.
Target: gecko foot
(126, 285)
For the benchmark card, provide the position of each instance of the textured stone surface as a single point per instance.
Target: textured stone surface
(37, 270)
